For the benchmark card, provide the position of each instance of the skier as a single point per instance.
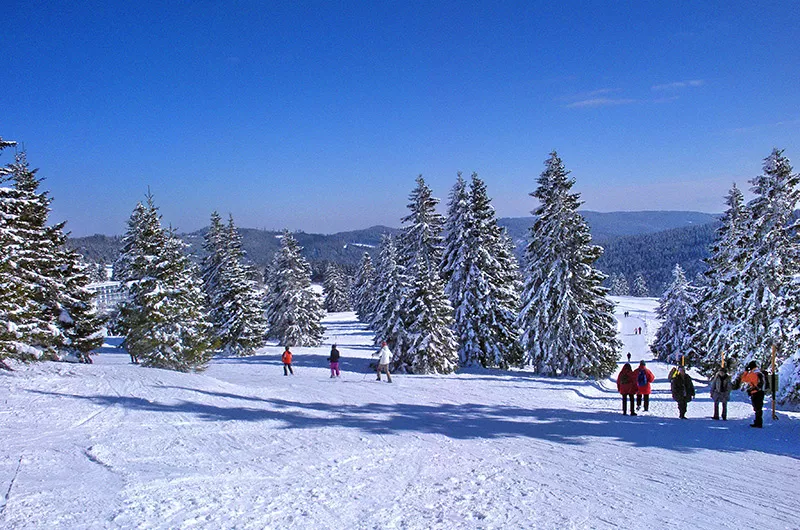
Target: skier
(287, 362)
(643, 377)
(626, 385)
(629, 356)
(384, 358)
(754, 385)
(682, 391)
(334, 360)
(720, 392)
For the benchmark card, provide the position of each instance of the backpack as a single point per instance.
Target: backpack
(641, 379)
(625, 379)
(765, 379)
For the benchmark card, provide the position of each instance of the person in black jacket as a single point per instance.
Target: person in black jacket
(334, 360)
(682, 391)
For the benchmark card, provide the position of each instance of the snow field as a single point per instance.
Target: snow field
(113, 445)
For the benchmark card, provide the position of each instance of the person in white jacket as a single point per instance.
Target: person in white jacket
(384, 358)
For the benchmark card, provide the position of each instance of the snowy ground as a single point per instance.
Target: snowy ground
(112, 445)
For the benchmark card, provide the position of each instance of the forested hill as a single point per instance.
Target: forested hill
(346, 248)
(609, 226)
(647, 242)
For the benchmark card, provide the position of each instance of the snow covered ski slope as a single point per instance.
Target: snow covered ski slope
(112, 445)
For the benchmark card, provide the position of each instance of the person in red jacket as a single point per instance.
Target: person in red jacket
(287, 362)
(626, 385)
(643, 377)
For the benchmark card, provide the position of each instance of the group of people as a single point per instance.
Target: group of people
(637, 382)
(384, 358)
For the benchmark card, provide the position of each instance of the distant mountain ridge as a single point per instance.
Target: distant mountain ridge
(650, 242)
(606, 226)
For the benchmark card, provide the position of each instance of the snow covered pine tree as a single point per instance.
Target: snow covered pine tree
(164, 318)
(567, 321)
(294, 310)
(431, 345)
(232, 292)
(482, 278)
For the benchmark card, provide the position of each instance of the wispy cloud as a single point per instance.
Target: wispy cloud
(766, 126)
(600, 102)
(679, 85)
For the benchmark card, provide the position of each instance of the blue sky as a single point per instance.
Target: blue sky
(319, 115)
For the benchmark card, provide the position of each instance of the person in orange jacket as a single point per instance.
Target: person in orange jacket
(643, 377)
(287, 362)
(626, 385)
(755, 383)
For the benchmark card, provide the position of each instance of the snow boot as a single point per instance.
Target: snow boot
(633, 414)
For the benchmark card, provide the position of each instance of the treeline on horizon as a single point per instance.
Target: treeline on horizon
(652, 254)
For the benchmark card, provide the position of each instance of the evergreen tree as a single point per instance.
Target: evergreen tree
(82, 328)
(362, 291)
(456, 224)
(483, 281)
(767, 291)
(294, 310)
(334, 288)
(568, 325)
(98, 273)
(426, 311)
(391, 287)
(677, 312)
(211, 265)
(718, 301)
(640, 288)
(618, 285)
(36, 252)
(16, 301)
(163, 319)
(232, 291)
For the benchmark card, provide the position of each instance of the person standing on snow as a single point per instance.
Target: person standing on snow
(287, 362)
(626, 385)
(755, 383)
(643, 377)
(720, 392)
(334, 360)
(384, 358)
(682, 391)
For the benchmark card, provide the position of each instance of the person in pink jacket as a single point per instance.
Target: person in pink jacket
(643, 377)
(626, 385)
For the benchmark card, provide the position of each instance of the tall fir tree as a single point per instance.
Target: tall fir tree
(362, 292)
(82, 328)
(334, 290)
(16, 301)
(673, 340)
(714, 334)
(618, 285)
(391, 287)
(232, 291)
(484, 282)
(427, 313)
(164, 318)
(294, 310)
(46, 308)
(640, 288)
(567, 321)
(768, 294)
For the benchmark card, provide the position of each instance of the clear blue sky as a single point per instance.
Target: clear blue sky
(319, 115)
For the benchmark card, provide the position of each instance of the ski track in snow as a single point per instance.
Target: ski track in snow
(113, 445)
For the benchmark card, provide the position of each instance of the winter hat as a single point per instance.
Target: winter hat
(751, 365)
(641, 363)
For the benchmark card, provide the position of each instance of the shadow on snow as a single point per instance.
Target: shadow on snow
(474, 421)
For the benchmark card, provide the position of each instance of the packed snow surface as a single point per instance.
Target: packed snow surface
(114, 445)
